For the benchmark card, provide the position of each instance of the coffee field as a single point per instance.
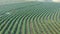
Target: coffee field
(30, 18)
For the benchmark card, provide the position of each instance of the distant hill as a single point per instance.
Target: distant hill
(2, 2)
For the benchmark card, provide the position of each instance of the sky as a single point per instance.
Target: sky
(16, 1)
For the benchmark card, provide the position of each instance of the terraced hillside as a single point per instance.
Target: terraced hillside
(30, 18)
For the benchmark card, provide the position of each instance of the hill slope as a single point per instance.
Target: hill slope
(30, 18)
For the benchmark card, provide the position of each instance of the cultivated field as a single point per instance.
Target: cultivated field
(30, 18)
